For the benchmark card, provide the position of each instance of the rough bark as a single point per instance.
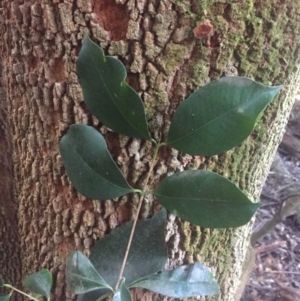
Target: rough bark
(10, 259)
(40, 43)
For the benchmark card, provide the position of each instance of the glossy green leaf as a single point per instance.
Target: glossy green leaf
(81, 276)
(39, 283)
(185, 281)
(148, 252)
(218, 116)
(90, 166)
(6, 297)
(122, 293)
(106, 93)
(205, 199)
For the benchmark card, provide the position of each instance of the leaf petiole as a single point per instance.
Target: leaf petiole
(157, 146)
(138, 191)
(154, 141)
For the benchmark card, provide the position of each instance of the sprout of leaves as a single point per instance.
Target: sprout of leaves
(212, 120)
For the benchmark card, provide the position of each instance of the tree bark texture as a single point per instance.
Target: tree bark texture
(40, 42)
(9, 239)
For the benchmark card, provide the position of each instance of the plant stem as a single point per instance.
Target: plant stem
(137, 215)
(15, 289)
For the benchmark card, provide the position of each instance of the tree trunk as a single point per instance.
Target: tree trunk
(40, 41)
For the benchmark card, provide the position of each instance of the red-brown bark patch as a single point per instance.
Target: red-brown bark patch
(113, 17)
(123, 214)
(58, 70)
(33, 63)
(203, 29)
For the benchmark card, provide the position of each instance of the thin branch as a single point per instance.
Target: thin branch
(282, 272)
(266, 228)
(137, 215)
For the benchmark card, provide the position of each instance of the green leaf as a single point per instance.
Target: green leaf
(148, 252)
(185, 281)
(106, 93)
(6, 297)
(39, 283)
(205, 199)
(218, 116)
(122, 293)
(81, 276)
(90, 166)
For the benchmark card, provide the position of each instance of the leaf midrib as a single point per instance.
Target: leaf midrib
(89, 280)
(194, 131)
(201, 199)
(41, 285)
(176, 282)
(105, 180)
(202, 126)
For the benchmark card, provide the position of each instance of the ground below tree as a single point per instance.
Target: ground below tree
(276, 274)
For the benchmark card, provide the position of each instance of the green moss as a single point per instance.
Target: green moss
(199, 70)
(184, 7)
(258, 37)
(196, 236)
(239, 165)
(241, 11)
(185, 230)
(247, 67)
(174, 54)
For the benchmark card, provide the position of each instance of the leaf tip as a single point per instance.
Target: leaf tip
(278, 88)
(86, 39)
